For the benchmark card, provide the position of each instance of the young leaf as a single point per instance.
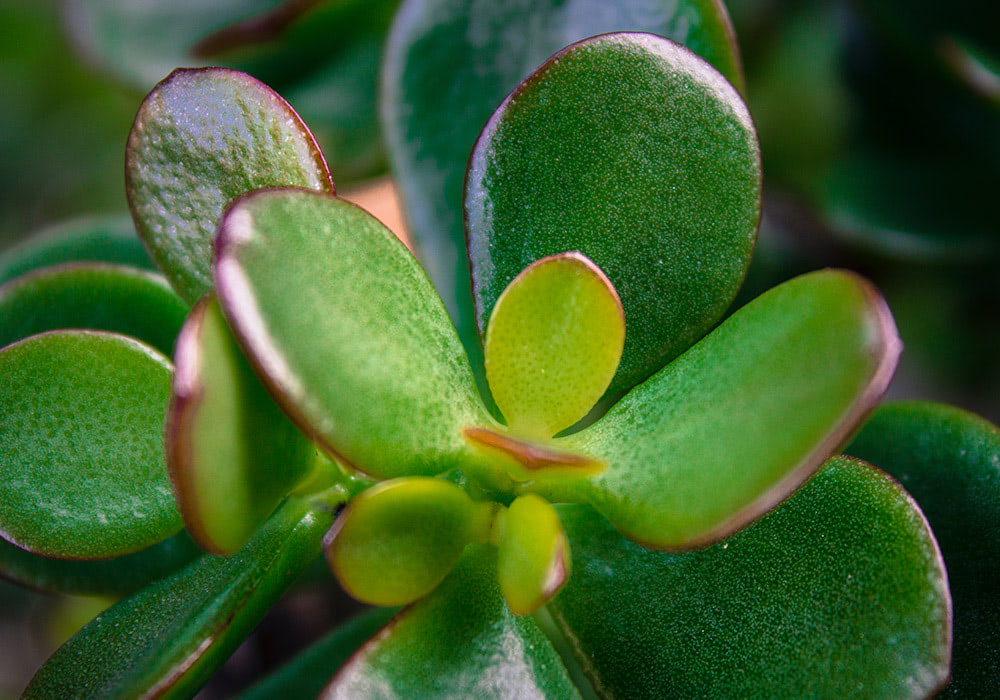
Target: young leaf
(368, 362)
(950, 461)
(533, 557)
(95, 296)
(448, 65)
(109, 239)
(839, 592)
(201, 138)
(232, 454)
(459, 642)
(82, 473)
(398, 540)
(634, 151)
(553, 344)
(169, 638)
(732, 427)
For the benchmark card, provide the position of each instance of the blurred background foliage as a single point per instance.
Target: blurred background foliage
(879, 123)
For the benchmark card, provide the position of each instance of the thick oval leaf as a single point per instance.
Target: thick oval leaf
(459, 642)
(232, 454)
(82, 471)
(533, 557)
(449, 64)
(307, 674)
(636, 152)
(368, 363)
(553, 344)
(95, 296)
(201, 138)
(733, 426)
(169, 638)
(108, 577)
(398, 540)
(840, 592)
(950, 461)
(110, 239)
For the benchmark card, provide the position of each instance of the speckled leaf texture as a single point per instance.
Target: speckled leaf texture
(201, 138)
(838, 593)
(82, 470)
(949, 460)
(449, 63)
(636, 152)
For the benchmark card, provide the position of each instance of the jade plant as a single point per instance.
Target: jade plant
(618, 514)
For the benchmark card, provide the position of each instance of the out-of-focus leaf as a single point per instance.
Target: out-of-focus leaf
(636, 152)
(461, 641)
(201, 138)
(950, 461)
(93, 296)
(733, 426)
(533, 558)
(346, 329)
(840, 592)
(82, 471)
(232, 454)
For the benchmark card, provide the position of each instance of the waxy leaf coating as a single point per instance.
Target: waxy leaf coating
(94, 296)
(82, 471)
(839, 592)
(459, 642)
(346, 329)
(201, 138)
(449, 63)
(634, 151)
(533, 558)
(733, 426)
(232, 454)
(553, 344)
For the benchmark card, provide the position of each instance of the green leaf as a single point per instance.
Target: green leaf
(634, 151)
(110, 239)
(95, 296)
(553, 344)
(840, 592)
(112, 577)
(201, 138)
(82, 473)
(733, 426)
(533, 557)
(449, 64)
(307, 673)
(950, 461)
(398, 540)
(368, 364)
(169, 638)
(232, 454)
(459, 642)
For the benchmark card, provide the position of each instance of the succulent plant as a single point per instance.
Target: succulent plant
(320, 398)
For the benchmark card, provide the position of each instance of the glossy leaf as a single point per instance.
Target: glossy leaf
(110, 239)
(95, 296)
(533, 558)
(201, 138)
(448, 64)
(737, 423)
(181, 629)
(840, 592)
(397, 541)
(634, 151)
(950, 461)
(307, 674)
(82, 473)
(232, 454)
(112, 577)
(553, 344)
(459, 642)
(369, 363)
